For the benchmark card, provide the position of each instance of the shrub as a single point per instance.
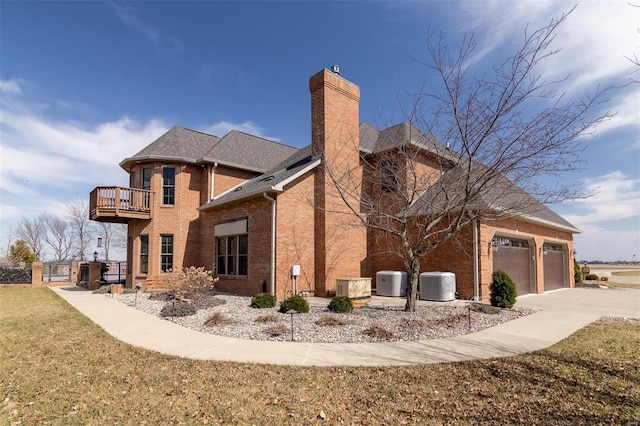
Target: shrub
(330, 321)
(592, 277)
(604, 279)
(577, 272)
(297, 303)
(276, 330)
(340, 304)
(206, 301)
(217, 319)
(263, 319)
(503, 290)
(263, 301)
(102, 289)
(377, 332)
(190, 281)
(177, 309)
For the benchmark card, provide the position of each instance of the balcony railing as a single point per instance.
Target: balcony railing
(120, 205)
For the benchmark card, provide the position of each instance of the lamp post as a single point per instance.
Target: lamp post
(95, 256)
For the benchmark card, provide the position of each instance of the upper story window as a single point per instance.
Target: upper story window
(388, 175)
(168, 185)
(146, 178)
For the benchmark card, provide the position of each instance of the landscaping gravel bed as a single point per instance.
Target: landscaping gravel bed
(236, 318)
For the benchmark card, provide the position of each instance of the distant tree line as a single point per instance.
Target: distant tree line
(50, 237)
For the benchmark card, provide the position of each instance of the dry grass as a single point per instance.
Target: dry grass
(56, 367)
(330, 321)
(264, 319)
(218, 319)
(378, 332)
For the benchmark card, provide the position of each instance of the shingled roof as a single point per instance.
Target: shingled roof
(235, 149)
(490, 190)
(238, 149)
(273, 181)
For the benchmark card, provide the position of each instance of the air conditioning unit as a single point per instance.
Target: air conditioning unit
(438, 286)
(391, 283)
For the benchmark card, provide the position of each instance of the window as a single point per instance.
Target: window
(388, 175)
(144, 254)
(232, 255)
(146, 178)
(166, 253)
(168, 185)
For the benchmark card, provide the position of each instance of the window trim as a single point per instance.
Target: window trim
(222, 260)
(388, 176)
(164, 254)
(168, 187)
(142, 178)
(144, 256)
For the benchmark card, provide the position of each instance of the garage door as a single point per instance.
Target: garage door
(514, 257)
(554, 267)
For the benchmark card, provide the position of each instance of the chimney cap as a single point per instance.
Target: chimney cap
(335, 69)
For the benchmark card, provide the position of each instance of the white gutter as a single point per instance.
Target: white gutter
(476, 278)
(273, 243)
(213, 181)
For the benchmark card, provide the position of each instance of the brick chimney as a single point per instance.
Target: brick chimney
(340, 240)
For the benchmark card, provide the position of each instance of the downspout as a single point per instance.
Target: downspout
(213, 180)
(476, 278)
(272, 277)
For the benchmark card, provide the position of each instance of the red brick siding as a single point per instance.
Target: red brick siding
(340, 244)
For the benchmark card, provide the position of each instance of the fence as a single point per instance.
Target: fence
(56, 272)
(15, 273)
(61, 273)
(114, 272)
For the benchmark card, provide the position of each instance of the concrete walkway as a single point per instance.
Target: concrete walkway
(563, 313)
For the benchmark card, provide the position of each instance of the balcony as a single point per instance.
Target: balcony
(120, 205)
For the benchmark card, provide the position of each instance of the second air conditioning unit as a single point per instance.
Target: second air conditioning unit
(438, 286)
(391, 283)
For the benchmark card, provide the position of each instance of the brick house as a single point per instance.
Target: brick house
(250, 208)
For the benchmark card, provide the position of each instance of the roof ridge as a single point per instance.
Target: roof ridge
(196, 131)
(258, 137)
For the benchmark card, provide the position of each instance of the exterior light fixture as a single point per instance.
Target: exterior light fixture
(95, 256)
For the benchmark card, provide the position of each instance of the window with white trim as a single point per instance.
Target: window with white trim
(232, 248)
(168, 185)
(166, 253)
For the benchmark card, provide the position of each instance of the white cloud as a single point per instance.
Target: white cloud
(223, 127)
(596, 243)
(10, 86)
(595, 42)
(128, 14)
(616, 196)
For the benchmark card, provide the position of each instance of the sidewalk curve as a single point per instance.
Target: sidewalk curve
(562, 313)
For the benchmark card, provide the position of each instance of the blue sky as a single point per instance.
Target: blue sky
(85, 84)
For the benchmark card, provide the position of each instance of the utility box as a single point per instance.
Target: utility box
(438, 286)
(391, 283)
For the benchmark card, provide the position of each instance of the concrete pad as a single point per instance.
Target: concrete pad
(562, 313)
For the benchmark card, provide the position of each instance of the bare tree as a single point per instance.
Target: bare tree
(7, 242)
(58, 236)
(80, 224)
(33, 232)
(113, 235)
(477, 148)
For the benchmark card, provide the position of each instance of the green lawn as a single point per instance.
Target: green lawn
(56, 367)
